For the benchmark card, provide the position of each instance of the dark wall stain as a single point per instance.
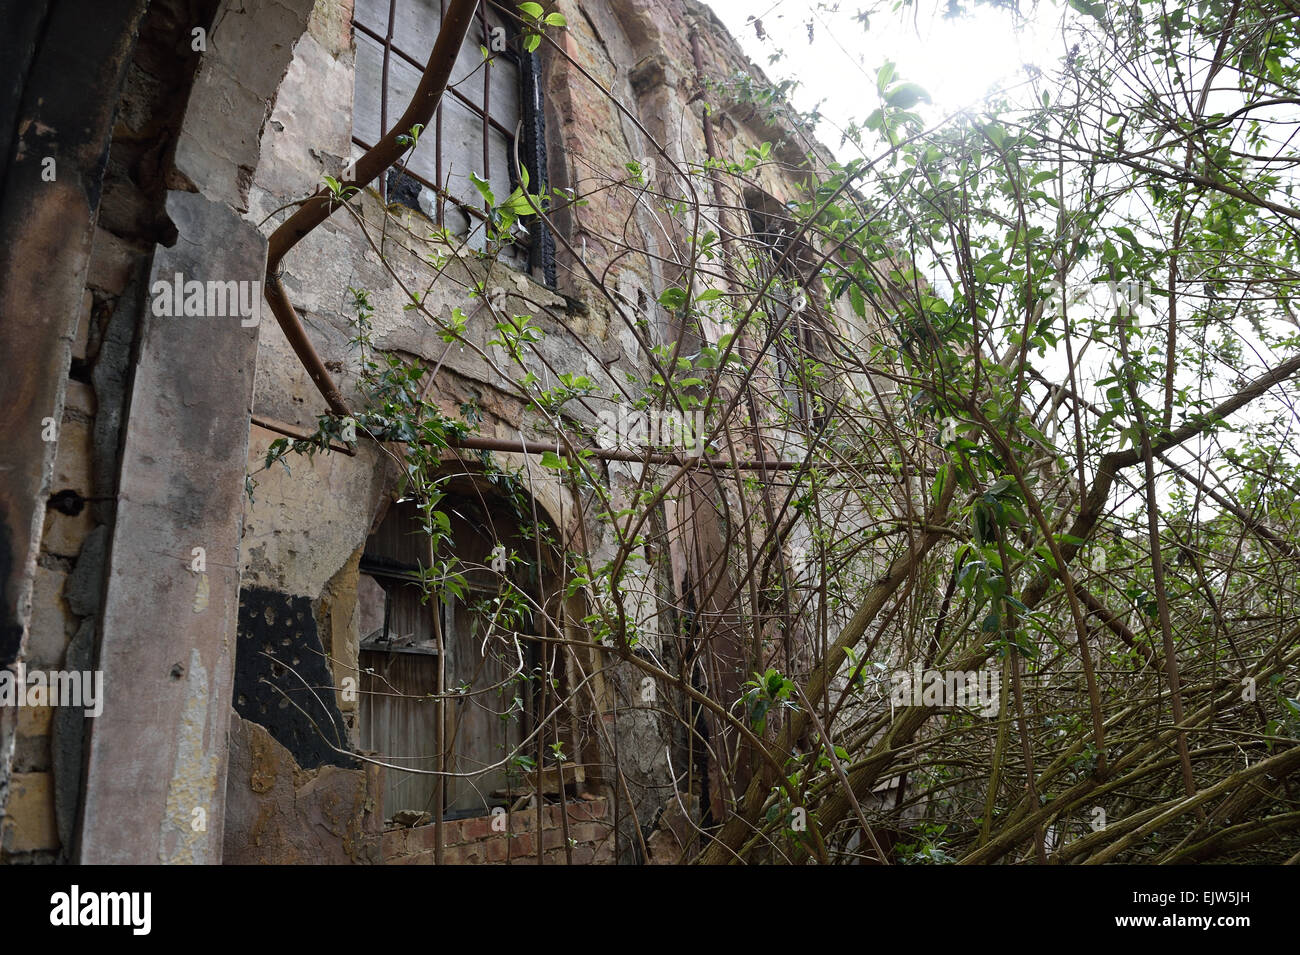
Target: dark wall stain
(282, 680)
(11, 631)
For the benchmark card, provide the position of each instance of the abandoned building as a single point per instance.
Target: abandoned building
(280, 682)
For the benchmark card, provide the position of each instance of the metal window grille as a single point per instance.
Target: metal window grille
(491, 113)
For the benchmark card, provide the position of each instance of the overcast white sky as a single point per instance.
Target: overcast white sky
(957, 61)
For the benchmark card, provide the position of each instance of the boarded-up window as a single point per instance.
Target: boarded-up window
(416, 650)
(490, 113)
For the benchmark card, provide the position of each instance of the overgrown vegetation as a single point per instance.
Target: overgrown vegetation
(1028, 372)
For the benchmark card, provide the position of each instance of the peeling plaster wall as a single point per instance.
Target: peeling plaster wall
(155, 773)
(305, 528)
(278, 813)
(268, 115)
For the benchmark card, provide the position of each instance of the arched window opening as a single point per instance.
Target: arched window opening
(457, 684)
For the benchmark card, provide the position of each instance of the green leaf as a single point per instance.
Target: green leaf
(1127, 235)
(673, 298)
(884, 75)
(519, 203)
(941, 478)
(1095, 10)
(552, 460)
(907, 95)
(484, 189)
(531, 10)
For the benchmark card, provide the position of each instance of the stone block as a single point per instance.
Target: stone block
(112, 262)
(48, 636)
(29, 822)
(34, 721)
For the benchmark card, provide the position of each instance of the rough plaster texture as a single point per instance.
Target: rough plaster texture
(157, 757)
(278, 813)
(304, 527)
(271, 113)
(248, 50)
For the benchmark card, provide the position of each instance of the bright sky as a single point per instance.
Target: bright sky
(957, 61)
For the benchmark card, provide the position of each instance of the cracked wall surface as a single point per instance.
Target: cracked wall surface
(197, 177)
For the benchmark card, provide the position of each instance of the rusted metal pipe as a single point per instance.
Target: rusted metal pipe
(480, 443)
(451, 37)
(291, 325)
(289, 431)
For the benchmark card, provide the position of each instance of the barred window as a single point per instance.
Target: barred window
(490, 114)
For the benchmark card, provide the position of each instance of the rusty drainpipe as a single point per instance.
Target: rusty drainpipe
(451, 36)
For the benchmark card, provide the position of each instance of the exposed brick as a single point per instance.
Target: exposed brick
(475, 828)
(471, 853)
(495, 849)
(583, 809)
(584, 854)
(394, 843)
(29, 815)
(523, 821)
(453, 855)
(426, 837)
(523, 846)
(552, 838)
(587, 831)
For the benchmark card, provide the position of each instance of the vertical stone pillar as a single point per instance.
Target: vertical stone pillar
(156, 771)
(157, 768)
